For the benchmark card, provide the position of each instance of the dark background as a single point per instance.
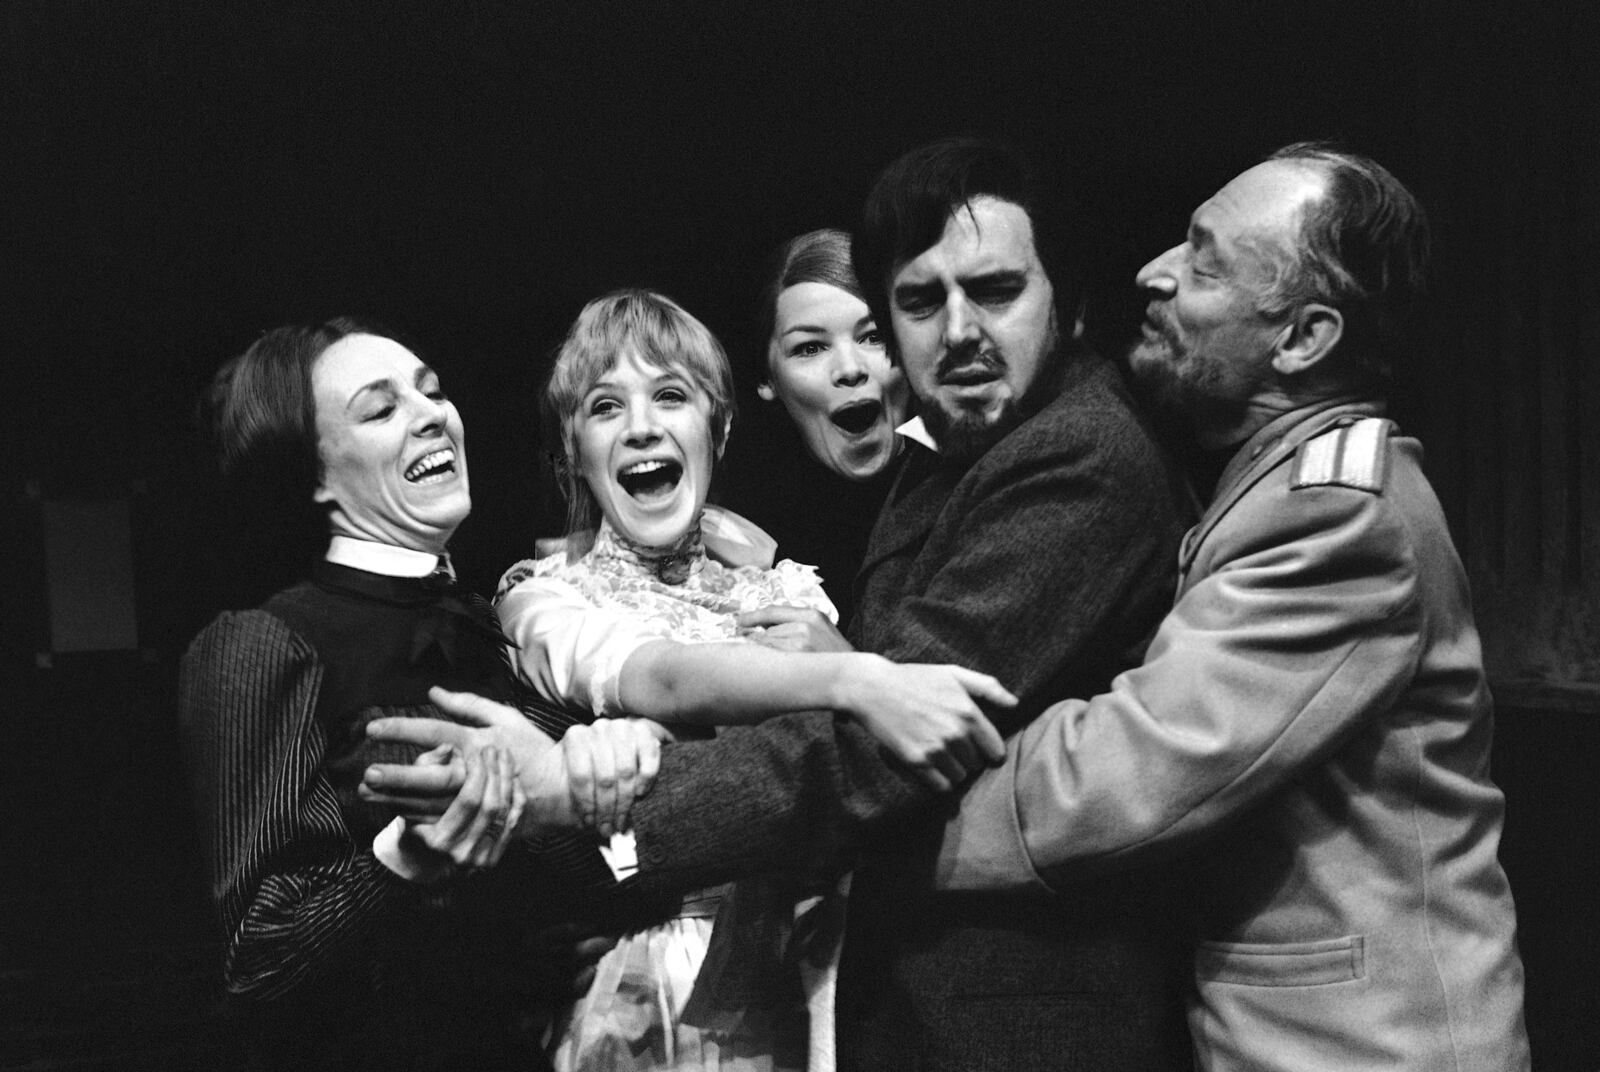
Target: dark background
(178, 177)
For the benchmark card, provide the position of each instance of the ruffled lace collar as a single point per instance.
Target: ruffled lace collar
(673, 564)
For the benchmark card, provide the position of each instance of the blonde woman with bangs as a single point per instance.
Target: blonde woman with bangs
(642, 622)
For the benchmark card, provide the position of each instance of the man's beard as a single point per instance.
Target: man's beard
(966, 435)
(1179, 380)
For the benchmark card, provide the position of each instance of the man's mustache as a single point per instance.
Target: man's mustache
(966, 357)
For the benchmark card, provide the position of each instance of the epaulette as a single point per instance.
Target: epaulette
(1353, 454)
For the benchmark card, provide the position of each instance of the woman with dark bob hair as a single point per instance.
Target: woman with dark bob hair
(353, 938)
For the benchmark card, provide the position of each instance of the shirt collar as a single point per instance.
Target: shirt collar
(917, 432)
(385, 558)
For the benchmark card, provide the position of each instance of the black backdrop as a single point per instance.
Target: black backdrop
(179, 176)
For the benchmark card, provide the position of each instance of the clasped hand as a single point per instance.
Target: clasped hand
(500, 764)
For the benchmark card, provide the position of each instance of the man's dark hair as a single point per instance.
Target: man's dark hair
(916, 195)
(1363, 249)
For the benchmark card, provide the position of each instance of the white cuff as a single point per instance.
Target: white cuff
(621, 855)
(425, 867)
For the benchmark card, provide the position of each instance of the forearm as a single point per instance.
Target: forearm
(736, 683)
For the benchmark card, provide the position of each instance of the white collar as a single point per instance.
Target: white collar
(917, 432)
(384, 558)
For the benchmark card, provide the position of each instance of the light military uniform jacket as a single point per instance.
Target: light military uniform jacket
(1312, 718)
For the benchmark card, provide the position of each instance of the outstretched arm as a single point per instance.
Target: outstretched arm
(928, 716)
(1304, 628)
(613, 662)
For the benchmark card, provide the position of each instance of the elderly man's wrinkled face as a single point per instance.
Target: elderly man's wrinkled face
(1205, 345)
(974, 317)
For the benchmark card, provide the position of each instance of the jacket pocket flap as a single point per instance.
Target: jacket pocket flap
(1337, 960)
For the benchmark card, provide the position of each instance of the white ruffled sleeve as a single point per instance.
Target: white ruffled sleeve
(799, 585)
(568, 649)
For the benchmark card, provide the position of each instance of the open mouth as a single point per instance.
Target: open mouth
(853, 418)
(432, 467)
(650, 480)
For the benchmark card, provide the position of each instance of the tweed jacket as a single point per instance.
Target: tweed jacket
(1313, 714)
(1046, 563)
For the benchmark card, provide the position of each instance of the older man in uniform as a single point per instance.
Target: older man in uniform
(1313, 712)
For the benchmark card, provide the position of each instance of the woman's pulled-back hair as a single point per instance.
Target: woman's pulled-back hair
(661, 333)
(821, 256)
(259, 418)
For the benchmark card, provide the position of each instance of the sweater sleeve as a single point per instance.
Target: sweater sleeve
(296, 893)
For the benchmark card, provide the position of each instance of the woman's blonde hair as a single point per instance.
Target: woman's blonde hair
(661, 333)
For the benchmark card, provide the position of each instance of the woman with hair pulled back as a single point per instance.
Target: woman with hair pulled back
(642, 622)
(352, 942)
(825, 359)
(824, 462)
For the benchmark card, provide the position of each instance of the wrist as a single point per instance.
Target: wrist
(855, 676)
(549, 801)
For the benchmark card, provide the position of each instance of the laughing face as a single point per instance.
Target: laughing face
(394, 460)
(1205, 344)
(974, 315)
(642, 441)
(826, 362)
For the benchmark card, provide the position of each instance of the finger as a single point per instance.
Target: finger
(439, 756)
(984, 687)
(776, 643)
(963, 755)
(650, 762)
(631, 739)
(788, 637)
(772, 614)
(991, 746)
(489, 823)
(446, 835)
(931, 776)
(412, 809)
(427, 732)
(519, 801)
(605, 781)
(945, 763)
(577, 750)
(472, 708)
(923, 768)
(401, 779)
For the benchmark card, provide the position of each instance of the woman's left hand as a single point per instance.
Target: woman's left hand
(475, 829)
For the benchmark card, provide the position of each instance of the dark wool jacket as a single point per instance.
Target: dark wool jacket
(1047, 563)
